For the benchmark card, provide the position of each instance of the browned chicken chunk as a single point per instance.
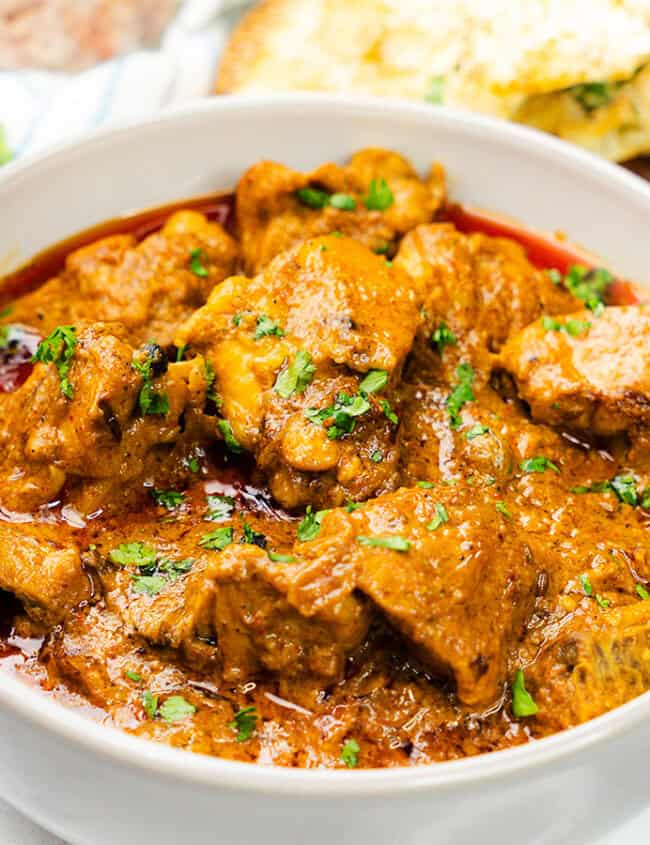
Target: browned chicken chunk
(584, 371)
(96, 412)
(479, 289)
(149, 287)
(376, 199)
(446, 571)
(303, 355)
(43, 572)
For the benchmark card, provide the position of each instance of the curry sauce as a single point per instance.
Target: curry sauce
(325, 472)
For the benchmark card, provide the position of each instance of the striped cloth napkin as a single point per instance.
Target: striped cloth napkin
(39, 108)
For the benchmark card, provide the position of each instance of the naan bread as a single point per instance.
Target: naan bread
(577, 68)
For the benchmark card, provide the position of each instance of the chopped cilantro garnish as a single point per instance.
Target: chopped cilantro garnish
(150, 703)
(522, 701)
(351, 506)
(443, 336)
(196, 265)
(175, 708)
(149, 585)
(217, 540)
(425, 485)
(625, 488)
(503, 509)
(374, 381)
(342, 414)
(439, 519)
(379, 196)
(586, 585)
(309, 525)
(394, 542)
(58, 349)
(596, 487)
(219, 508)
(210, 393)
(153, 364)
(390, 415)
(461, 394)
(538, 464)
(266, 326)
(136, 554)
(602, 602)
(589, 285)
(133, 676)
(575, 328)
(382, 248)
(344, 202)
(312, 197)
(377, 456)
(350, 753)
(297, 376)
(280, 558)
(253, 538)
(244, 723)
(475, 431)
(170, 499)
(232, 444)
(642, 592)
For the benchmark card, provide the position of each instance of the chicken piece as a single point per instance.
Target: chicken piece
(150, 287)
(92, 415)
(444, 567)
(293, 342)
(480, 288)
(236, 607)
(44, 573)
(586, 372)
(596, 661)
(376, 199)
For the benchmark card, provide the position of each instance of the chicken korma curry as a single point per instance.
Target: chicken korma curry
(319, 474)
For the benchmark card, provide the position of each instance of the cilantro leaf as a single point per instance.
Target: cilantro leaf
(232, 444)
(196, 265)
(394, 542)
(151, 363)
(590, 286)
(309, 525)
(266, 326)
(538, 464)
(149, 585)
(280, 558)
(390, 415)
(150, 703)
(175, 708)
(475, 431)
(244, 723)
(350, 753)
(343, 202)
(133, 676)
(253, 538)
(440, 518)
(586, 585)
(503, 509)
(575, 328)
(642, 592)
(461, 394)
(312, 197)
(137, 554)
(374, 381)
(217, 540)
(522, 701)
(169, 499)
(297, 376)
(379, 196)
(58, 349)
(594, 95)
(442, 337)
(625, 488)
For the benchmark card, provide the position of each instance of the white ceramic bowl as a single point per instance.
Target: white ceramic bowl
(95, 786)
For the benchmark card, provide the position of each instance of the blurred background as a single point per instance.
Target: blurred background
(577, 68)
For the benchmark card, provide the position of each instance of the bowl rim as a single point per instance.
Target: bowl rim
(163, 761)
